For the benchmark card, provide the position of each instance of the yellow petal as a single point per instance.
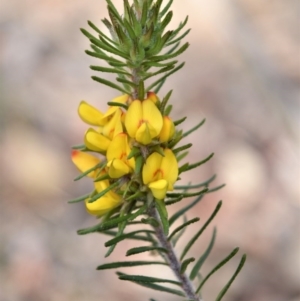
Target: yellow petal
(117, 168)
(89, 114)
(133, 117)
(113, 125)
(152, 115)
(118, 147)
(167, 130)
(159, 189)
(151, 168)
(169, 167)
(143, 134)
(95, 141)
(84, 161)
(103, 204)
(120, 99)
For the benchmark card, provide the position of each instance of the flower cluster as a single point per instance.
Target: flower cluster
(131, 150)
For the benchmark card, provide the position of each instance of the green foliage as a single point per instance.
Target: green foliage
(141, 48)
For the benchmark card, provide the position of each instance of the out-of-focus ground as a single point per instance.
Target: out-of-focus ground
(242, 74)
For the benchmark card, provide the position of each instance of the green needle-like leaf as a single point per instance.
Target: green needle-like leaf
(109, 70)
(139, 250)
(203, 257)
(182, 211)
(194, 220)
(217, 267)
(192, 166)
(138, 278)
(88, 171)
(185, 264)
(196, 236)
(124, 264)
(121, 237)
(194, 128)
(163, 213)
(226, 287)
(179, 121)
(79, 199)
(205, 183)
(128, 217)
(109, 84)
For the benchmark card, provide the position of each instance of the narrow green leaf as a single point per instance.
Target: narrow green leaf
(159, 86)
(81, 146)
(139, 250)
(194, 128)
(138, 278)
(205, 183)
(102, 177)
(134, 152)
(194, 220)
(103, 192)
(165, 76)
(150, 221)
(185, 264)
(93, 26)
(149, 64)
(79, 199)
(192, 166)
(109, 84)
(196, 236)
(173, 200)
(127, 82)
(162, 70)
(128, 217)
(117, 104)
(139, 161)
(101, 55)
(168, 109)
(141, 90)
(177, 237)
(88, 171)
(165, 9)
(124, 264)
(163, 213)
(179, 121)
(216, 188)
(163, 57)
(203, 257)
(181, 148)
(87, 34)
(165, 101)
(182, 211)
(181, 25)
(114, 11)
(217, 267)
(182, 156)
(156, 287)
(179, 38)
(187, 195)
(109, 70)
(132, 236)
(226, 287)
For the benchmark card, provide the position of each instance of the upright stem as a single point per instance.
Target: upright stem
(173, 259)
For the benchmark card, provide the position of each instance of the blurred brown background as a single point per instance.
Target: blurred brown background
(242, 74)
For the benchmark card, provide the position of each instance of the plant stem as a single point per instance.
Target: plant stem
(173, 260)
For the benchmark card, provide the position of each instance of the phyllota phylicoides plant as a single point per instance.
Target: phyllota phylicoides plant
(131, 151)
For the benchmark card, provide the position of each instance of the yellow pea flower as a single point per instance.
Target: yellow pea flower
(152, 96)
(116, 155)
(143, 121)
(84, 161)
(160, 173)
(167, 130)
(93, 116)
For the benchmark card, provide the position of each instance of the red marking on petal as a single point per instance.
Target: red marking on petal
(74, 152)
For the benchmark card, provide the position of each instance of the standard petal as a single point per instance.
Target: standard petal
(84, 161)
(151, 168)
(152, 115)
(89, 114)
(169, 167)
(159, 189)
(134, 117)
(95, 141)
